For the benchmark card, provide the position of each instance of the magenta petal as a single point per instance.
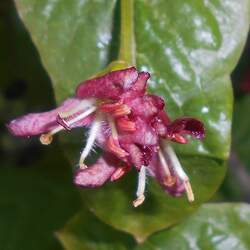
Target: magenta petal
(140, 84)
(144, 134)
(146, 106)
(187, 125)
(38, 123)
(111, 85)
(97, 174)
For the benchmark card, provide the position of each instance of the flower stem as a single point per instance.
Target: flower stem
(127, 39)
(126, 55)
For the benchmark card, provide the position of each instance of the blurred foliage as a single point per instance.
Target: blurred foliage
(37, 195)
(213, 227)
(190, 61)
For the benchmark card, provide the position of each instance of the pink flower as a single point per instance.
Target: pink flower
(130, 126)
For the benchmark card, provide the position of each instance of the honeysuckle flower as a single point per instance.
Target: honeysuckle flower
(129, 125)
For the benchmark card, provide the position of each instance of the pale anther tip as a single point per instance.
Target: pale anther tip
(189, 191)
(46, 139)
(82, 166)
(139, 201)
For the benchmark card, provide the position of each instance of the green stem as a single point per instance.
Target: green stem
(127, 40)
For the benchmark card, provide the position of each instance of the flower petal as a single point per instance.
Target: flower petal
(97, 174)
(186, 125)
(144, 134)
(111, 85)
(38, 123)
(146, 106)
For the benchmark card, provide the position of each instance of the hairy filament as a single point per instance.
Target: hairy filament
(93, 133)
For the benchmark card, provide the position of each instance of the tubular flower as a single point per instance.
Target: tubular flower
(130, 126)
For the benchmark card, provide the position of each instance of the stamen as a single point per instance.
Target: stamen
(47, 138)
(122, 110)
(116, 109)
(126, 125)
(170, 180)
(113, 142)
(114, 146)
(94, 130)
(141, 187)
(179, 138)
(180, 172)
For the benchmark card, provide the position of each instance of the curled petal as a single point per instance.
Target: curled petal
(186, 125)
(140, 84)
(97, 174)
(144, 134)
(38, 123)
(146, 106)
(138, 88)
(111, 85)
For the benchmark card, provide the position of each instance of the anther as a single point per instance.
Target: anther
(46, 139)
(126, 125)
(121, 110)
(189, 191)
(114, 146)
(116, 109)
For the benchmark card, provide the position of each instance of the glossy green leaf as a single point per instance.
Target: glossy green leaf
(37, 195)
(159, 210)
(86, 232)
(35, 203)
(241, 130)
(213, 227)
(190, 48)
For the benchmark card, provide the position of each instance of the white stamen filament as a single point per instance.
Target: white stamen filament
(179, 171)
(141, 187)
(94, 130)
(164, 163)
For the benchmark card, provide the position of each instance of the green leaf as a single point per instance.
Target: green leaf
(86, 232)
(213, 227)
(35, 202)
(190, 48)
(241, 127)
(37, 195)
(159, 210)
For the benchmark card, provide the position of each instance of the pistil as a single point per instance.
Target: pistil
(47, 138)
